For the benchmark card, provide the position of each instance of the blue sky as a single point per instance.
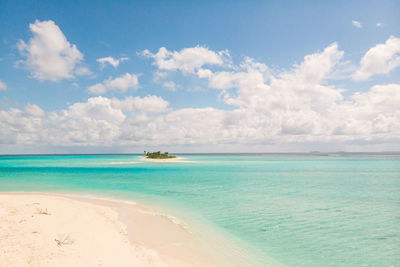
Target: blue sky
(277, 34)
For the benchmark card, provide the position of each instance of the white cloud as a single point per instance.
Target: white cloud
(97, 89)
(159, 75)
(356, 24)
(316, 67)
(21, 126)
(86, 123)
(380, 59)
(292, 103)
(379, 24)
(251, 72)
(124, 82)
(188, 59)
(34, 110)
(110, 60)
(150, 103)
(3, 86)
(82, 71)
(380, 99)
(48, 54)
(121, 84)
(374, 114)
(159, 78)
(170, 85)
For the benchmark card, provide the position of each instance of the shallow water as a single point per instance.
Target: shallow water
(298, 210)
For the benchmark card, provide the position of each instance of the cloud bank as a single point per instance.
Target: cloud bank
(296, 106)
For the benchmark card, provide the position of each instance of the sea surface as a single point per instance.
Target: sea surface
(300, 210)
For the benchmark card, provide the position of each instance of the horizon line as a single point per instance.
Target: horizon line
(313, 153)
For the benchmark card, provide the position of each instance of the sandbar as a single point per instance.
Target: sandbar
(177, 159)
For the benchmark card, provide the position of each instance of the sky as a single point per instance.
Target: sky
(199, 76)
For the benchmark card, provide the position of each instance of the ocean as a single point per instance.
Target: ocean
(299, 210)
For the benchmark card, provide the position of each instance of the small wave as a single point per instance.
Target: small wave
(123, 162)
(169, 218)
(96, 197)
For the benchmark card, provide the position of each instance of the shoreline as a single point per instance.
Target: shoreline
(157, 239)
(169, 160)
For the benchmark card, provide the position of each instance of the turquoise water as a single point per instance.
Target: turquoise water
(298, 210)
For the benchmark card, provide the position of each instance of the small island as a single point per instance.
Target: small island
(158, 155)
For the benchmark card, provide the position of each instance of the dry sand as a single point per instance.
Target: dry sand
(43, 229)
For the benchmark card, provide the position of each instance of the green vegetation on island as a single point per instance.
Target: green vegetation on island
(158, 155)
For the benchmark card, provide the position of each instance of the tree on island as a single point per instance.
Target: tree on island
(158, 155)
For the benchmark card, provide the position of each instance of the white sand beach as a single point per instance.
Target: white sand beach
(44, 229)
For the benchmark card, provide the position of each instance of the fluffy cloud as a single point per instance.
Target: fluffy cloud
(110, 60)
(48, 54)
(251, 72)
(34, 110)
(121, 83)
(150, 103)
(356, 24)
(380, 100)
(188, 59)
(21, 126)
(3, 86)
(372, 114)
(316, 67)
(380, 59)
(291, 103)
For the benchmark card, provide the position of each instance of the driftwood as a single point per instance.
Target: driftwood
(42, 211)
(65, 241)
